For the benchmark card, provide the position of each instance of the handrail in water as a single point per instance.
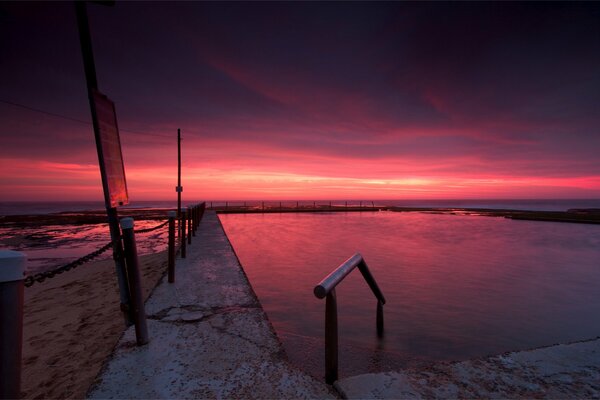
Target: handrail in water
(326, 288)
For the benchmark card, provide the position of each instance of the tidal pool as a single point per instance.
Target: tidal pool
(457, 287)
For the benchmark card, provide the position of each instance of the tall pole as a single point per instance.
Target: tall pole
(179, 188)
(111, 212)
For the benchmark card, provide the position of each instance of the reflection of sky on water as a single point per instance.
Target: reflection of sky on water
(457, 287)
(50, 246)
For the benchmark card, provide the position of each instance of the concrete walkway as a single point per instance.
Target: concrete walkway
(565, 371)
(209, 337)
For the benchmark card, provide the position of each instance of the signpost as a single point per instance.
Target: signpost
(108, 147)
(112, 158)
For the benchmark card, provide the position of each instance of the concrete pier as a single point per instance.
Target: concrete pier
(209, 337)
(564, 371)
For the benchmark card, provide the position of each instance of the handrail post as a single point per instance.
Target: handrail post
(183, 233)
(12, 271)
(193, 221)
(135, 284)
(331, 338)
(171, 267)
(189, 224)
(379, 319)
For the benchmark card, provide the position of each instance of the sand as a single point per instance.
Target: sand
(72, 323)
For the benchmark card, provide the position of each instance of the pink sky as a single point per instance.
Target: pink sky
(323, 101)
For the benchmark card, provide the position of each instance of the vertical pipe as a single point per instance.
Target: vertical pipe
(379, 319)
(171, 266)
(183, 225)
(135, 283)
(12, 270)
(331, 338)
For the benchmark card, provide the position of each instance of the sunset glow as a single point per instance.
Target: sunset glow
(308, 101)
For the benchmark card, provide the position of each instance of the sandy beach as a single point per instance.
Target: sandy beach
(71, 325)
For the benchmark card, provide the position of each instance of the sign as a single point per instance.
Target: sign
(111, 161)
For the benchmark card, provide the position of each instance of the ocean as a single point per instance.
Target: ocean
(35, 208)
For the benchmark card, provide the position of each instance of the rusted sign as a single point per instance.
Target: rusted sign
(111, 161)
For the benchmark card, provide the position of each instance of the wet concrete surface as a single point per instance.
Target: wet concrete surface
(209, 337)
(564, 371)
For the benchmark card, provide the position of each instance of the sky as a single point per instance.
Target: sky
(307, 101)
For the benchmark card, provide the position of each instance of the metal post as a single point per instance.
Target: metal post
(183, 225)
(361, 203)
(330, 205)
(193, 220)
(179, 187)
(379, 319)
(189, 225)
(171, 268)
(346, 204)
(263, 206)
(314, 204)
(135, 283)
(12, 271)
(331, 338)
(279, 206)
(113, 220)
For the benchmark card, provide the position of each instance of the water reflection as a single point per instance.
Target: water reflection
(457, 287)
(54, 245)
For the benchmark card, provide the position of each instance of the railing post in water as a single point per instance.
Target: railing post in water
(331, 338)
(135, 283)
(263, 206)
(183, 226)
(171, 267)
(379, 319)
(197, 218)
(12, 271)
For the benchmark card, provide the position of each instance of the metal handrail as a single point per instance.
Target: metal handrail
(326, 288)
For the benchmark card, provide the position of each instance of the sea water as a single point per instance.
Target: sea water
(457, 287)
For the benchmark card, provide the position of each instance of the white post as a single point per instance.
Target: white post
(12, 274)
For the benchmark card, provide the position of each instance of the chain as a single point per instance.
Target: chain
(42, 276)
(153, 228)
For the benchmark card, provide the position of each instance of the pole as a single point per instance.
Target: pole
(189, 222)
(331, 338)
(179, 188)
(111, 212)
(12, 271)
(171, 268)
(183, 225)
(135, 283)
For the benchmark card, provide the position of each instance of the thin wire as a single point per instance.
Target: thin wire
(77, 120)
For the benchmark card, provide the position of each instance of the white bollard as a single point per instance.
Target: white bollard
(12, 274)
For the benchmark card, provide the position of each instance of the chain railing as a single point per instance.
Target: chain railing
(42, 276)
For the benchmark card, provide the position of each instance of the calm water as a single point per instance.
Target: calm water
(32, 207)
(50, 246)
(457, 287)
